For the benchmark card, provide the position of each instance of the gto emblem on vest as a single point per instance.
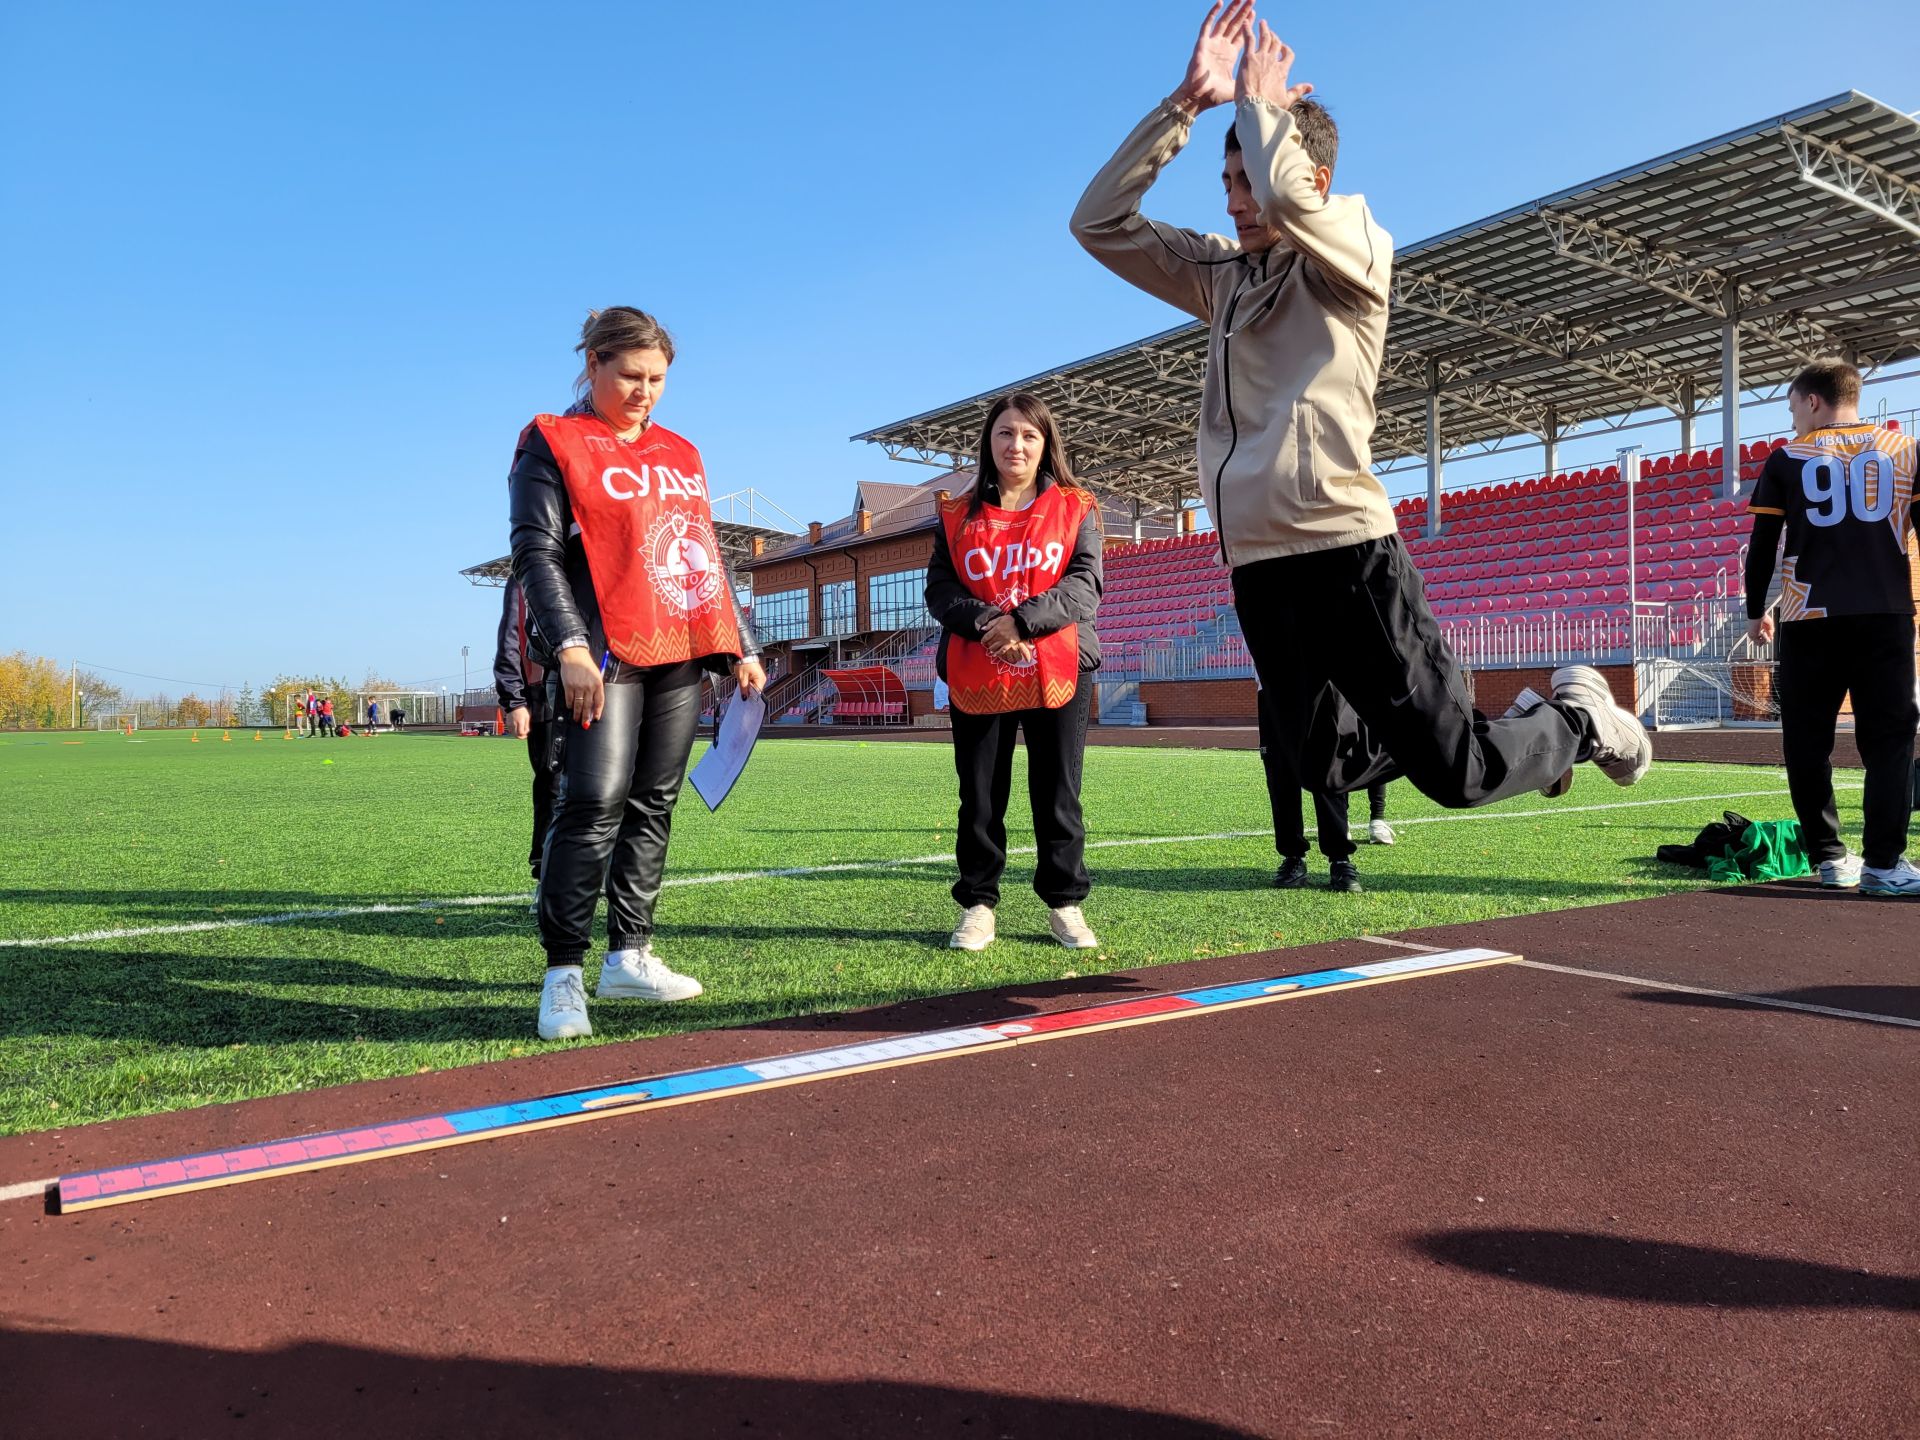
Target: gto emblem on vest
(681, 561)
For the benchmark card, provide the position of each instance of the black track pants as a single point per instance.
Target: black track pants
(1363, 688)
(983, 758)
(1821, 661)
(1330, 812)
(540, 757)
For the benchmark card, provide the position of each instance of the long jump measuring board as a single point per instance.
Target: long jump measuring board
(97, 1188)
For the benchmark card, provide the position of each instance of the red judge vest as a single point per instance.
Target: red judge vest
(1003, 557)
(641, 505)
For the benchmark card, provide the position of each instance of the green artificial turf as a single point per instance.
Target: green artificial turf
(156, 831)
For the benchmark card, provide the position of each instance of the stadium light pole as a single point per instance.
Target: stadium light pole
(463, 674)
(1628, 458)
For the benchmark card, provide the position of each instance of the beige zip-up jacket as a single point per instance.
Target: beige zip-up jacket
(1286, 415)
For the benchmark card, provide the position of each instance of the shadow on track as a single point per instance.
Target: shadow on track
(102, 1385)
(1619, 1267)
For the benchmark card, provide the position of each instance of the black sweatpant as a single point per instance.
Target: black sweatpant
(1330, 812)
(1820, 662)
(613, 809)
(983, 758)
(1363, 688)
(540, 756)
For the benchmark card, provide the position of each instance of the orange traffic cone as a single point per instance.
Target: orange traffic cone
(499, 721)
(196, 738)
(226, 737)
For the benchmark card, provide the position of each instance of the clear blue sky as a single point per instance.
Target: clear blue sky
(283, 282)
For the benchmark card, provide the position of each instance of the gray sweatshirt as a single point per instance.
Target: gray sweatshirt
(1286, 414)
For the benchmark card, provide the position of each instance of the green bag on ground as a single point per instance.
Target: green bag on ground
(1767, 850)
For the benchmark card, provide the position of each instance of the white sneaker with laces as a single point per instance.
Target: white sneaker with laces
(975, 930)
(1380, 832)
(563, 1005)
(1622, 749)
(1070, 928)
(642, 975)
(1898, 881)
(1841, 874)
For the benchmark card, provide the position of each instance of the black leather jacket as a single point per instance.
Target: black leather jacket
(550, 562)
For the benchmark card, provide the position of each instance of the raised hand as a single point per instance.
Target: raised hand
(1209, 78)
(1264, 69)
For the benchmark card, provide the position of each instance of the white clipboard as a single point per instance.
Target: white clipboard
(713, 778)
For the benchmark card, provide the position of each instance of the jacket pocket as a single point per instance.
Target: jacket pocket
(1306, 433)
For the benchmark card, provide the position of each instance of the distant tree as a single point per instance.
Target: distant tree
(192, 710)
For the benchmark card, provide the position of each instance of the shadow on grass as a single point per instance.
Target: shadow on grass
(1397, 882)
(1902, 1002)
(1618, 1267)
(203, 1002)
(93, 1384)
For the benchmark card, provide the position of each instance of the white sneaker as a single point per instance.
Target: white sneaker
(1622, 749)
(1526, 700)
(563, 1005)
(1841, 874)
(642, 975)
(1380, 832)
(1898, 881)
(1070, 928)
(975, 930)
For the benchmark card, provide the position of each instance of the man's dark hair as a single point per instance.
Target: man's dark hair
(1832, 380)
(1317, 132)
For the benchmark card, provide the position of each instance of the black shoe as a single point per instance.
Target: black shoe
(1343, 877)
(1292, 875)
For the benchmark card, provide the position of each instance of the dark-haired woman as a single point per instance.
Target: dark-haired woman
(1014, 582)
(614, 547)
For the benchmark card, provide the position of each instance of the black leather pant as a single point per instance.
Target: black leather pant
(613, 808)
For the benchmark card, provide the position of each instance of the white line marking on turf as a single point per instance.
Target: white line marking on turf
(797, 872)
(26, 1191)
(1742, 996)
(1401, 944)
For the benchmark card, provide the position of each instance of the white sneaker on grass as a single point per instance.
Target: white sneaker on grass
(1622, 749)
(642, 975)
(1070, 928)
(563, 1005)
(1841, 874)
(975, 930)
(1380, 832)
(1898, 881)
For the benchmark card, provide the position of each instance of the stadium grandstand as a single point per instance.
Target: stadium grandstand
(1640, 300)
(1668, 295)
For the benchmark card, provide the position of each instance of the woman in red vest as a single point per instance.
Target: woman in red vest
(614, 548)
(1014, 581)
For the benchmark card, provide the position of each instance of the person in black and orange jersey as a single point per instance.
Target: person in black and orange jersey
(1014, 582)
(614, 546)
(1842, 493)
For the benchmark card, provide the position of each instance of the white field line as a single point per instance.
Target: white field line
(1742, 996)
(798, 872)
(26, 1190)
